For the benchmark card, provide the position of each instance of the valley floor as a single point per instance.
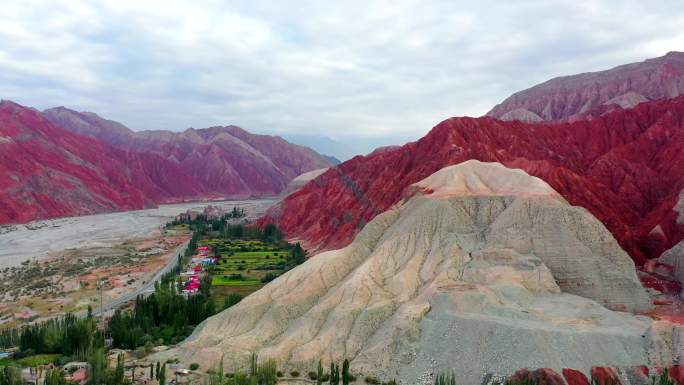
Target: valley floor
(48, 268)
(46, 237)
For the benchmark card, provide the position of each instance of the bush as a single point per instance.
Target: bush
(352, 378)
(294, 373)
(194, 366)
(141, 352)
(446, 379)
(313, 375)
(372, 380)
(268, 277)
(231, 300)
(279, 373)
(325, 377)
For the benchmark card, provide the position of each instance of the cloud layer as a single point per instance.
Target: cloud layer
(384, 71)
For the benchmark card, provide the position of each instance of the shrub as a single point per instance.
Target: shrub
(446, 379)
(194, 366)
(664, 378)
(352, 378)
(268, 277)
(313, 375)
(231, 300)
(279, 374)
(372, 380)
(294, 373)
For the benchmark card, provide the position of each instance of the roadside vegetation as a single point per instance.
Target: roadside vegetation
(56, 342)
(267, 373)
(70, 337)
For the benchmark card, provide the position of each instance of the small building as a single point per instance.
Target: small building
(79, 376)
(72, 367)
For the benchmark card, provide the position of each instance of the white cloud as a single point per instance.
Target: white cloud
(384, 70)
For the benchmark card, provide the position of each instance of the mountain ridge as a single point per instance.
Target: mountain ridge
(574, 97)
(626, 168)
(81, 163)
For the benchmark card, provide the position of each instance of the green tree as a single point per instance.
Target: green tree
(119, 372)
(162, 375)
(319, 373)
(10, 375)
(231, 300)
(297, 255)
(446, 379)
(334, 374)
(267, 373)
(216, 377)
(253, 365)
(345, 372)
(55, 377)
(97, 368)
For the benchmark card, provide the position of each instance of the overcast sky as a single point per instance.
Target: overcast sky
(352, 74)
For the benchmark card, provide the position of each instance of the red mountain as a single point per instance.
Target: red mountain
(626, 167)
(569, 98)
(46, 171)
(223, 160)
(63, 163)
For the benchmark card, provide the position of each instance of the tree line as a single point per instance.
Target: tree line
(165, 316)
(69, 336)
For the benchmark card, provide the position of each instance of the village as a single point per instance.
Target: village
(199, 263)
(224, 262)
(36, 369)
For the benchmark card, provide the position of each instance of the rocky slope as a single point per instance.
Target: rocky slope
(626, 168)
(477, 264)
(578, 96)
(46, 171)
(64, 163)
(224, 160)
(297, 183)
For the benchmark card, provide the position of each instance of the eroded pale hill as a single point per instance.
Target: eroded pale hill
(478, 264)
(299, 182)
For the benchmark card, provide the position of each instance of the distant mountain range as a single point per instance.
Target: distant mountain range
(62, 162)
(626, 166)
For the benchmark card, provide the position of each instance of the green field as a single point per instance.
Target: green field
(251, 259)
(224, 280)
(31, 361)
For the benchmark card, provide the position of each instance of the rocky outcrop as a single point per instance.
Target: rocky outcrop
(626, 168)
(297, 183)
(577, 96)
(477, 264)
(674, 257)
